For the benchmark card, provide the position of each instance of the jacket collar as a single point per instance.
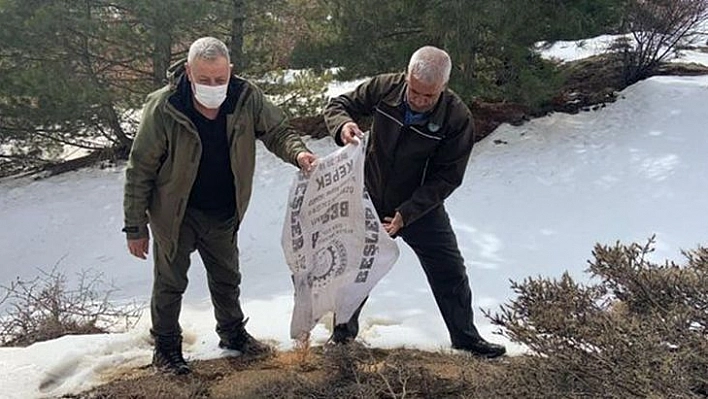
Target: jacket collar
(396, 98)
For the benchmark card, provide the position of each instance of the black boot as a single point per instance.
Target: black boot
(341, 335)
(482, 348)
(238, 339)
(167, 356)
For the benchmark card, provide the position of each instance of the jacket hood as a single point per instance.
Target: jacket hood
(175, 71)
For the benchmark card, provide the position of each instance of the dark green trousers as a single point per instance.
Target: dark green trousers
(215, 238)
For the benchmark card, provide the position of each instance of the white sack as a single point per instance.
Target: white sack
(333, 241)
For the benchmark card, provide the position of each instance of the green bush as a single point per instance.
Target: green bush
(640, 331)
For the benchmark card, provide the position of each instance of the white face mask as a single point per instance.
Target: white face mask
(210, 97)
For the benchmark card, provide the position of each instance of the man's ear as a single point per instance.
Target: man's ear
(188, 70)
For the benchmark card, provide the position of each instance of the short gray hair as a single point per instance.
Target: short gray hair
(208, 48)
(430, 65)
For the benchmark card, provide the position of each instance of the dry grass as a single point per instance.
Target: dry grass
(354, 371)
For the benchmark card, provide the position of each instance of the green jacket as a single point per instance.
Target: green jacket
(166, 152)
(410, 168)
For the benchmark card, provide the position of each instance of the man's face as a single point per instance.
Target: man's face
(421, 96)
(214, 72)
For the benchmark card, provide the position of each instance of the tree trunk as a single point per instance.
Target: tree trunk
(161, 55)
(115, 124)
(237, 28)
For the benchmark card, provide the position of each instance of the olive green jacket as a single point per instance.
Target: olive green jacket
(166, 152)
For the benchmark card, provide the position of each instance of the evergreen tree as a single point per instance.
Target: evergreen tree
(490, 42)
(72, 72)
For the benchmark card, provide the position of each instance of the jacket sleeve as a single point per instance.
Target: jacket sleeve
(274, 130)
(351, 107)
(444, 173)
(149, 146)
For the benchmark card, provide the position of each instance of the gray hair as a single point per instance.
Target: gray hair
(208, 48)
(430, 65)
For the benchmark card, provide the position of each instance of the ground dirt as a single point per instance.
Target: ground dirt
(352, 371)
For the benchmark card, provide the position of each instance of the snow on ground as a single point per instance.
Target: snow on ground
(573, 50)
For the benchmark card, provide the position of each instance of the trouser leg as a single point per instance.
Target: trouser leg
(434, 242)
(170, 282)
(218, 248)
(349, 329)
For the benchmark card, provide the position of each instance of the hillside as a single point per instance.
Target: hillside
(535, 200)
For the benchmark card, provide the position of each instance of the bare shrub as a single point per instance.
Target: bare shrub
(640, 332)
(46, 307)
(659, 28)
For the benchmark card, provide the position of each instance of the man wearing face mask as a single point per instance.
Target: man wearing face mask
(189, 177)
(421, 139)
